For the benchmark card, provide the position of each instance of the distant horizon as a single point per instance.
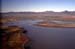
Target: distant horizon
(37, 11)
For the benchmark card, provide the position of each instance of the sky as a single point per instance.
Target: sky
(37, 5)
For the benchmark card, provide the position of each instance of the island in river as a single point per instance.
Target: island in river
(56, 24)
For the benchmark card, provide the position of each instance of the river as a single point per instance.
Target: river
(48, 38)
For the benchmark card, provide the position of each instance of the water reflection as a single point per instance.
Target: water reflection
(49, 38)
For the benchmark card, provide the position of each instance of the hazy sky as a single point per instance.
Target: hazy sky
(37, 5)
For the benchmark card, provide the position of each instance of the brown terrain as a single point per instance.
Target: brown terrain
(47, 16)
(65, 18)
(55, 25)
(13, 36)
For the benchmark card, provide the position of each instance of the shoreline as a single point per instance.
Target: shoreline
(53, 25)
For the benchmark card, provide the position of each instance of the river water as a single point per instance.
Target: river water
(48, 38)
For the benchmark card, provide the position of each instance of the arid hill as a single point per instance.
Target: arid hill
(46, 13)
